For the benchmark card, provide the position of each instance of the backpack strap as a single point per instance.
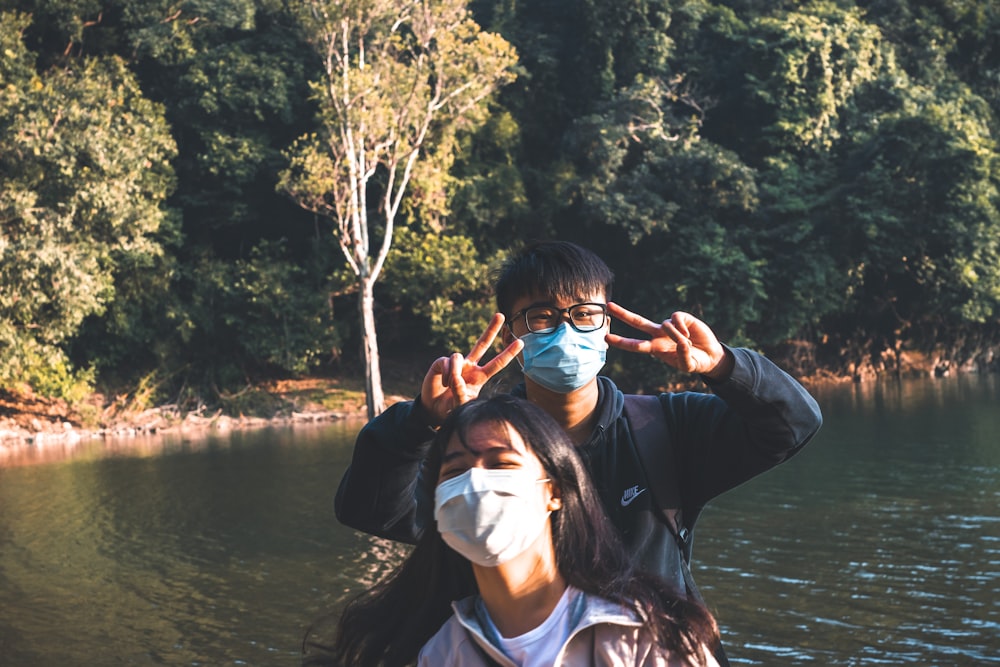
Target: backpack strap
(651, 436)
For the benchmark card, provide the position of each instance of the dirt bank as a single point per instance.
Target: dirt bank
(30, 420)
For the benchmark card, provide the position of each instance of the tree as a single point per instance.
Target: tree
(782, 82)
(234, 78)
(400, 77)
(444, 282)
(921, 223)
(650, 193)
(84, 171)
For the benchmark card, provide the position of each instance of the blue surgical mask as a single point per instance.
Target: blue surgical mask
(565, 359)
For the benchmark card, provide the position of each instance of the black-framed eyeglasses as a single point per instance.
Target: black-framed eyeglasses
(584, 317)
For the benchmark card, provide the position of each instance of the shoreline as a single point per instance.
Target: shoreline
(65, 432)
(27, 421)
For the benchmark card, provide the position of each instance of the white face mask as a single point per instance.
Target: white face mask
(490, 516)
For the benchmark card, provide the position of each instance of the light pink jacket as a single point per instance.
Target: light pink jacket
(604, 634)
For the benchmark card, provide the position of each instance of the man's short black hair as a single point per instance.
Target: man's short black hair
(557, 269)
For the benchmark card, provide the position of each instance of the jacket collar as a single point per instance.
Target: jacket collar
(610, 404)
(585, 611)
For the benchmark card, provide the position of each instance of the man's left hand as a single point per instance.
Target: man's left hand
(683, 341)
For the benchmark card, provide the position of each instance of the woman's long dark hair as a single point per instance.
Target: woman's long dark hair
(388, 624)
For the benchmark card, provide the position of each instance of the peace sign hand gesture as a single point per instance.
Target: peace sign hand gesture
(452, 381)
(683, 341)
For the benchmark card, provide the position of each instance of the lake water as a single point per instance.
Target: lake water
(878, 545)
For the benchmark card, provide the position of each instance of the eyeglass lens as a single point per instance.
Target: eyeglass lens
(584, 317)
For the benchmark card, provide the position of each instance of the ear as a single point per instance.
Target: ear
(555, 500)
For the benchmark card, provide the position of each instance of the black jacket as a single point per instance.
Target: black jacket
(751, 422)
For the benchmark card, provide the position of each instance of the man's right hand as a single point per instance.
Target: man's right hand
(452, 381)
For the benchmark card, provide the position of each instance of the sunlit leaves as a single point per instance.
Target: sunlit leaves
(805, 65)
(84, 170)
(442, 280)
(399, 75)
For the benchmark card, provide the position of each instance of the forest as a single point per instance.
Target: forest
(815, 180)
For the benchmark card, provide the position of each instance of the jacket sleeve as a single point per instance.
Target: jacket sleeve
(756, 419)
(379, 492)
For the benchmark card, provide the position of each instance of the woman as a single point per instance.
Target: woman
(522, 544)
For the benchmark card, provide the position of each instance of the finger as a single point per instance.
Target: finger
(681, 320)
(435, 379)
(634, 320)
(454, 373)
(502, 360)
(629, 344)
(684, 351)
(486, 340)
(670, 330)
(460, 391)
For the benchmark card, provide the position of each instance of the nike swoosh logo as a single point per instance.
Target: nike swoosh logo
(630, 495)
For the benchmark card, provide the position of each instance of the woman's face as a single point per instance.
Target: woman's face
(491, 446)
(494, 500)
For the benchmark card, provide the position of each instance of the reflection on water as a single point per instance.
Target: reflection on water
(58, 448)
(212, 552)
(878, 545)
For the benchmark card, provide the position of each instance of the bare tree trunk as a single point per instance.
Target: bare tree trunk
(373, 373)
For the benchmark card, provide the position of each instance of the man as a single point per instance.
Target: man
(553, 298)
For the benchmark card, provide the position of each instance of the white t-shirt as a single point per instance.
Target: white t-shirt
(540, 646)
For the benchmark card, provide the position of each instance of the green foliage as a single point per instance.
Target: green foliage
(45, 369)
(679, 203)
(277, 315)
(922, 213)
(402, 81)
(133, 334)
(232, 78)
(488, 190)
(823, 171)
(174, 33)
(267, 314)
(444, 282)
(777, 80)
(803, 66)
(84, 171)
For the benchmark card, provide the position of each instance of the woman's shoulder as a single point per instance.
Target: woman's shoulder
(590, 609)
(615, 643)
(454, 644)
(447, 646)
(612, 633)
(439, 648)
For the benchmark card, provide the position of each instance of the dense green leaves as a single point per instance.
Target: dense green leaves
(84, 172)
(922, 219)
(442, 281)
(823, 173)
